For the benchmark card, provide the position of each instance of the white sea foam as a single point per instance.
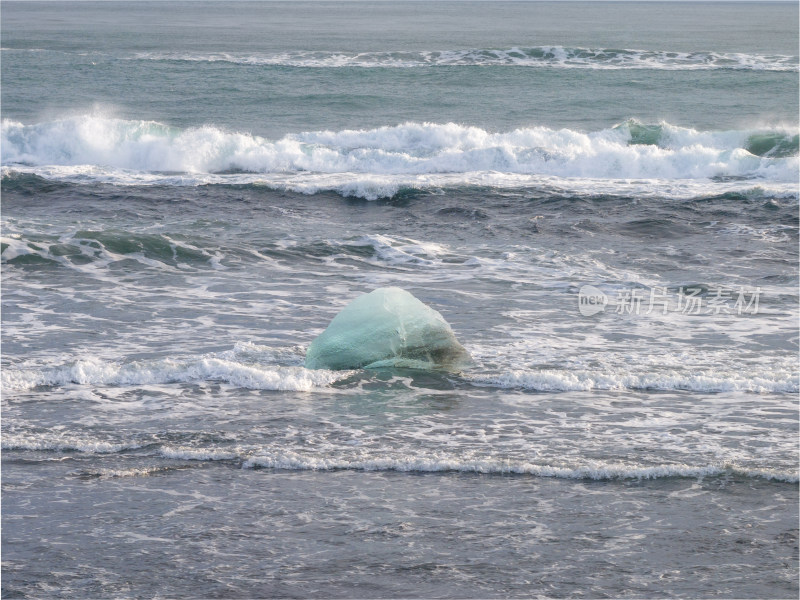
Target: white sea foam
(597, 470)
(373, 187)
(552, 380)
(97, 372)
(62, 442)
(388, 250)
(120, 473)
(774, 233)
(189, 453)
(377, 459)
(378, 162)
(558, 57)
(400, 251)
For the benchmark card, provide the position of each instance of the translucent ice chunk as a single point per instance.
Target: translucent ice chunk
(387, 328)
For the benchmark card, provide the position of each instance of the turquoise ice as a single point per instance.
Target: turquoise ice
(388, 327)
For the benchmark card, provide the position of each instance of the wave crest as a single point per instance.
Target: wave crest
(210, 368)
(377, 162)
(535, 57)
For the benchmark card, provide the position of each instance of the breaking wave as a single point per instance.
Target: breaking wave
(238, 368)
(378, 162)
(538, 56)
(209, 368)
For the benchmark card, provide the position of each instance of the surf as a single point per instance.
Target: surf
(552, 57)
(377, 162)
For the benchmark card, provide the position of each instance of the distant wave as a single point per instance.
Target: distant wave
(377, 162)
(538, 56)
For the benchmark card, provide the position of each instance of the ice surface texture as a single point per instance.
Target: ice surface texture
(387, 328)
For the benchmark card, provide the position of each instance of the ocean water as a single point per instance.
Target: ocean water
(600, 198)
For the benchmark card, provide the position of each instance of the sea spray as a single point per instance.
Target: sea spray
(628, 150)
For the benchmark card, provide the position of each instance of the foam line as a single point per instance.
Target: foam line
(554, 57)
